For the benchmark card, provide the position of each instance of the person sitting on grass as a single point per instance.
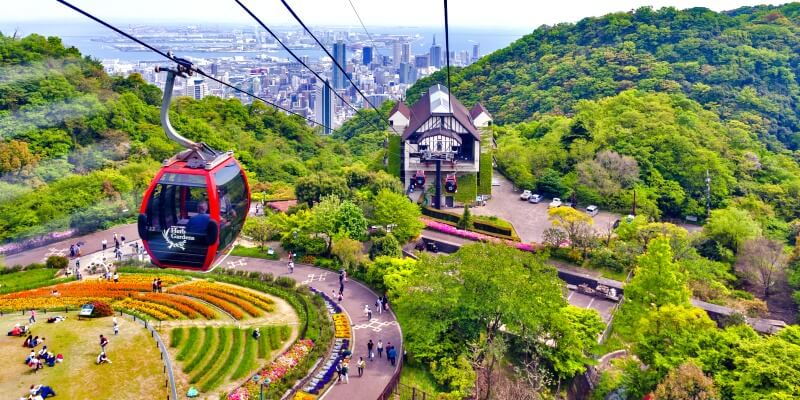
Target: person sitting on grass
(103, 358)
(43, 391)
(42, 352)
(50, 359)
(256, 334)
(35, 365)
(30, 357)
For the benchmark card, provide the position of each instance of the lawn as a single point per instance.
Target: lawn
(254, 252)
(394, 155)
(31, 279)
(414, 376)
(136, 371)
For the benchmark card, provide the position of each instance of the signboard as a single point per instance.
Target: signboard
(176, 237)
(86, 310)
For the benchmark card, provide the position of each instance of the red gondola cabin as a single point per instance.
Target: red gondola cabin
(189, 216)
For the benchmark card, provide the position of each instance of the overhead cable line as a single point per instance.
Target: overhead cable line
(447, 50)
(183, 62)
(336, 63)
(296, 57)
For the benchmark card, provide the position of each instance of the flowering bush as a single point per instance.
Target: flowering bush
(239, 394)
(101, 309)
(247, 297)
(450, 230)
(154, 310)
(185, 305)
(220, 300)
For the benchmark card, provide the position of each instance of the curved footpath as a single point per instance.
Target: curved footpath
(377, 373)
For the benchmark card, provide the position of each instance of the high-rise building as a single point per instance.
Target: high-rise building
(421, 61)
(214, 69)
(196, 89)
(404, 72)
(436, 54)
(405, 54)
(476, 52)
(366, 54)
(323, 108)
(398, 51)
(339, 57)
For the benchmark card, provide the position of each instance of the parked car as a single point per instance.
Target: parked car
(555, 203)
(535, 198)
(526, 194)
(592, 210)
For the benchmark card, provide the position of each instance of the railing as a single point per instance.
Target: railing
(170, 382)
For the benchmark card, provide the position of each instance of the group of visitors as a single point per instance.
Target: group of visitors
(36, 360)
(102, 358)
(391, 351)
(75, 250)
(39, 392)
(157, 285)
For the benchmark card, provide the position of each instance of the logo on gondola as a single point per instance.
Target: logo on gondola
(176, 237)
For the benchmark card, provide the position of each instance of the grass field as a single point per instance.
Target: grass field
(135, 372)
(255, 252)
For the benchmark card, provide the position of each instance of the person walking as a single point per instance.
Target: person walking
(366, 310)
(369, 314)
(370, 354)
(339, 372)
(291, 266)
(379, 305)
(158, 284)
(104, 243)
(32, 319)
(103, 343)
(346, 371)
(391, 354)
(385, 303)
(116, 328)
(154, 285)
(341, 289)
(361, 365)
(380, 348)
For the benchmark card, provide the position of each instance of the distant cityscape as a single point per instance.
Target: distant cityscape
(382, 65)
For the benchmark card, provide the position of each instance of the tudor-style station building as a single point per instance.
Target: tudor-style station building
(439, 127)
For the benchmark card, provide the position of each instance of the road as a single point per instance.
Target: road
(529, 220)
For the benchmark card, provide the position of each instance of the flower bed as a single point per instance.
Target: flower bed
(49, 302)
(450, 230)
(97, 288)
(157, 311)
(331, 305)
(342, 326)
(224, 304)
(242, 299)
(185, 305)
(325, 375)
(275, 371)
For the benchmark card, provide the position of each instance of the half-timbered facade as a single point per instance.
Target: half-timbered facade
(438, 126)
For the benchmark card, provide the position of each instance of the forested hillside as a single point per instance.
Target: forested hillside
(77, 146)
(742, 64)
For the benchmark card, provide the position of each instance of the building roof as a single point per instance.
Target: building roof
(438, 102)
(477, 110)
(402, 108)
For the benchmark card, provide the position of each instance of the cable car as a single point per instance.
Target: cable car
(197, 204)
(450, 183)
(419, 178)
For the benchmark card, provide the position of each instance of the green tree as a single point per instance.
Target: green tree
(386, 245)
(390, 208)
(730, 227)
(686, 382)
(465, 222)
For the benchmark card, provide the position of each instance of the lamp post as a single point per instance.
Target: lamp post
(264, 383)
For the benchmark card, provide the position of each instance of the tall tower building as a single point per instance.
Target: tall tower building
(476, 52)
(436, 54)
(339, 56)
(405, 54)
(366, 55)
(398, 50)
(323, 108)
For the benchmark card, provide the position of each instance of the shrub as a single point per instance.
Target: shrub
(57, 262)
(285, 281)
(101, 309)
(385, 246)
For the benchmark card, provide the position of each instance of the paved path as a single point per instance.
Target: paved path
(91, 245)
(382, 327)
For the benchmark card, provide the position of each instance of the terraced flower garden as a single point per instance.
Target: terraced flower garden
(208, 321)
(229, 353)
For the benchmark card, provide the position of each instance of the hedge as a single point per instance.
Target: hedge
(485, 173)
(482, 226)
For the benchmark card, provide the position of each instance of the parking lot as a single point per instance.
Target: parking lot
(530, 220)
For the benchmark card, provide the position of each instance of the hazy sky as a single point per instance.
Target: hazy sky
(516, 14)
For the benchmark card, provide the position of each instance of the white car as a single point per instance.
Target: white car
(535, 198)
(526, 194)
(555, 203)
(592, 210)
